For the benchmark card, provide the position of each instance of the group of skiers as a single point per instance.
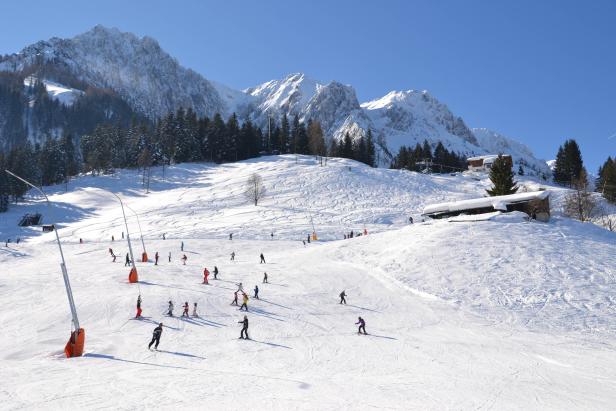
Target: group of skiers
(355, 234)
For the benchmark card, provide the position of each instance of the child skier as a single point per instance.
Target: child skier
(185, 313)
(244, 302)
(194, 314)
(362, 326)
(232, 255)
(234, 302)
(156, 336)
(256, 292)
(170, 309)
(138, 307)
(244, 332)
(264, 277)
(206, 273)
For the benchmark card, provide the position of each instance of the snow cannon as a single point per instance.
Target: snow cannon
(132, 276)
(74, 346)
(314, 236)
(144, 257)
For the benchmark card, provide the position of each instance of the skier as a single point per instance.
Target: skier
(112, 255)
(122, 235)
(156, 258)
(264, 277)
(272, 235)
(156, 336)
(362, 326)
(185, 312)
(182, 246)
(170, 309)
(81, 241)
(234, 302)
(230, 236)
(164, 236)
(256, 292)
(215, 273)
(206, 273)
(169, 256)
(262, 259)
(244, 332)
(365, 231)
(112, 239)
(127, 263)
(244, 302)
(410, 220)
(194, 314)
(304, 241)
(184, 258)
(138, 307)
(232, 255)
(308, 238)
(240, 288)
(343, 297)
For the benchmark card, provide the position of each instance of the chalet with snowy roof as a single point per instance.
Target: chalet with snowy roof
(536, 204)
(484, 163)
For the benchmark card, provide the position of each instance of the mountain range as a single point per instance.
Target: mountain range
(137, 72)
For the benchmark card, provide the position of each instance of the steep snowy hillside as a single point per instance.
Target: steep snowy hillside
(137, 68)
(65, 95)
(493, 314)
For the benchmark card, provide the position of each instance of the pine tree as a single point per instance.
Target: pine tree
(316, 141)
(501, 176)
(606, 182)
(371, 151)
(520, 170)
(569, 163)
(284, 136)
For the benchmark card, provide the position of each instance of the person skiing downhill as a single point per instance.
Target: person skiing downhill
(234, 302)
(194, 314)
(343, 297)
(244, 302)
(156, 258)
(156, 337)
(127, 262)
(240, 288)
(262, 259)
(232, 255)
(256, 292)
(264, 277)
(170, 309)
(362, 326)
(185, 313)
(215, 273)
(206, 274)
(169, 256)
(184, 258)
(244, 332)
(138, 307)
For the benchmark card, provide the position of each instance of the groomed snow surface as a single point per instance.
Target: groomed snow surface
(468, 313)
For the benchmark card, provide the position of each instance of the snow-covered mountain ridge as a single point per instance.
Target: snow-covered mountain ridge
(153, 83)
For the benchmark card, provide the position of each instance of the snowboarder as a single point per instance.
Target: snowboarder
(170, 309)
(156, 258)
(343, 297)
(184, 258)
(264, 277)
(262, 259)
(194, 314)
(156, 337)
(185, 312)
(127, 262)
(169, 256)
(244, 302)
(362, 326)
(182, 246)
(206, 273)
(232, 255)
(230, 236)
(244, 332)
(138, 307)
(256, 292)
(234, 302)
(215, 273)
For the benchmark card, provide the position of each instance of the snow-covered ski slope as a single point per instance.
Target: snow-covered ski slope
(491, 314)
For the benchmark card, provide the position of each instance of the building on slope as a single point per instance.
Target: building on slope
(484, 163)
(536, 204)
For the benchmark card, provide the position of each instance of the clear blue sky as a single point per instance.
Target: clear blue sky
(537, 71)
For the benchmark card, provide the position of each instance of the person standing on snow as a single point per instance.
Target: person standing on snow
(234, 302)
(112, 239)
(127, 262)
(232, 255)
(156, 258)
(170, 309)
(256, 292)
(182, 246)
(362, 326)
(156, 337)
(184, 258)
(194, 314)
(138, 307)
(343, 297)
(264, 277)
(262, 259)
(230, 236)
(215, 273)
(244, 302)
(206, 274)
(185, 313)
(240, 288)
(244, 332)
(169, 256)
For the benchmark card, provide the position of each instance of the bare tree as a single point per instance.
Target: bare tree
(580, 203)
(605, 219)
(255, 190)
